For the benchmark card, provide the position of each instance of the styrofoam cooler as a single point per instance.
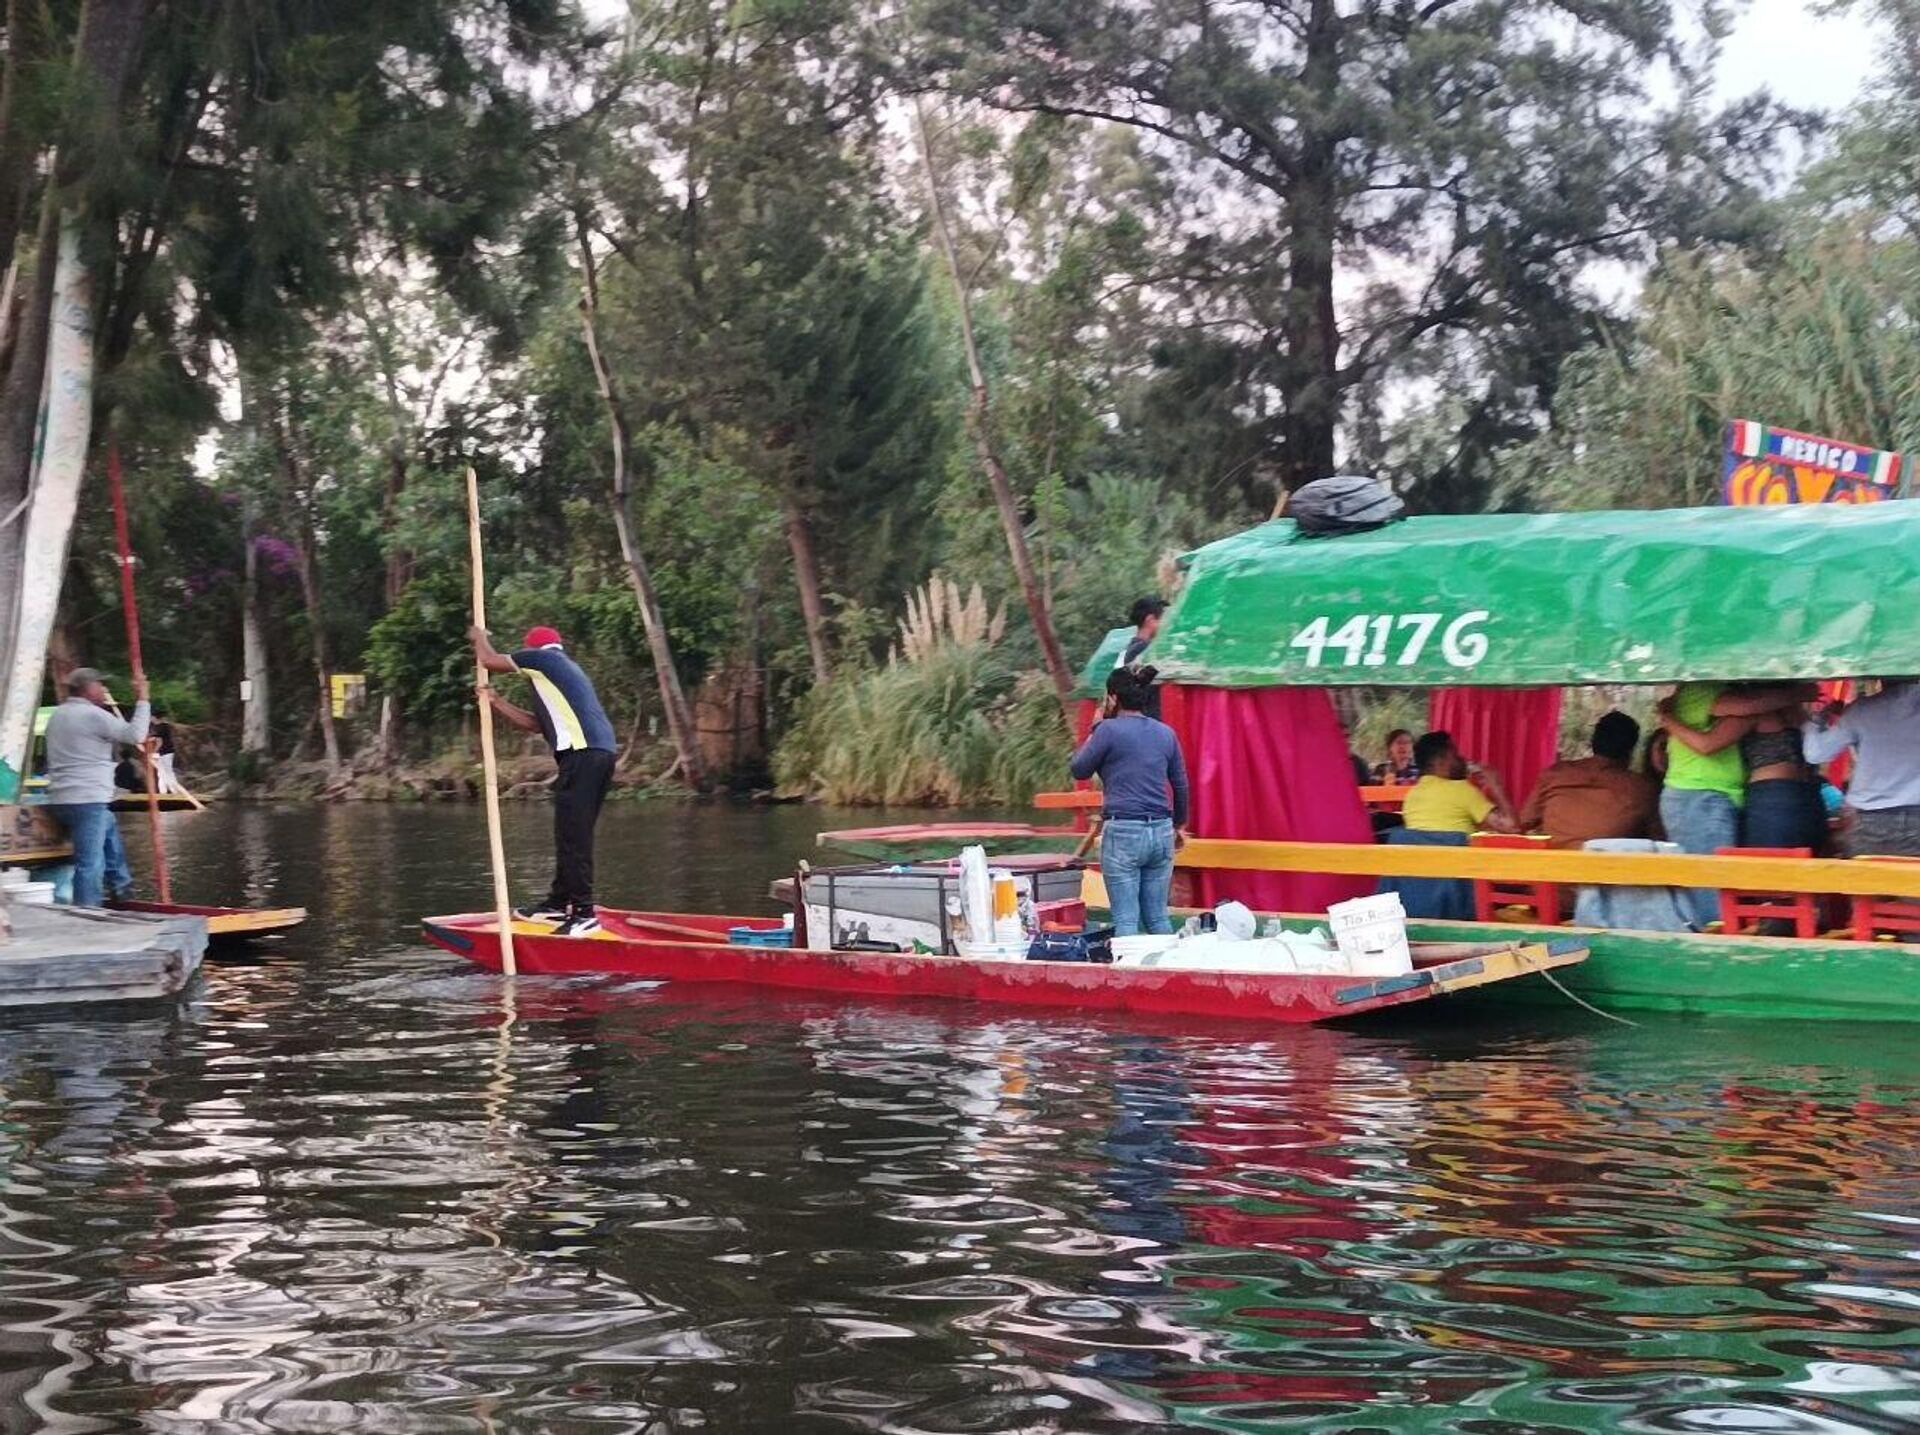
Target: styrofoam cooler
(1371, 933)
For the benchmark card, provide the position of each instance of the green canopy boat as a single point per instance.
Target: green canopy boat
(1555, 599)
(1808, 591)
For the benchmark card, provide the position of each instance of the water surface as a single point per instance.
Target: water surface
(335, 1190)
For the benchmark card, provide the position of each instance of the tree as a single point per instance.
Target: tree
(1357, 187)
(980, 427)
(236, 168)
(758, 294)
(673, 698)
(1819, 338)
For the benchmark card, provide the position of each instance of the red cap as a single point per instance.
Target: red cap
(542, 638)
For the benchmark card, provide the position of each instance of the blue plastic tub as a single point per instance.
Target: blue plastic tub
(760, 936)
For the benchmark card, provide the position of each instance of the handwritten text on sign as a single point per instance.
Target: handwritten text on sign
(1380, 640)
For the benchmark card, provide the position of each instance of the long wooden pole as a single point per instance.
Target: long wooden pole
(489, 764)
(130, 605)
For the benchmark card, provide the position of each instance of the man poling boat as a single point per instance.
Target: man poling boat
(83, 736)
(234, 923)
(568, 714)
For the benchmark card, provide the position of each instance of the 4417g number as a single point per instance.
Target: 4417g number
(1379, 640)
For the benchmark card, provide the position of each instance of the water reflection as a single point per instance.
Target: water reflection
(343, 1188)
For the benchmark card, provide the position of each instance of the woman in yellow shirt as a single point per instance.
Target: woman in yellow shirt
(1445, 800)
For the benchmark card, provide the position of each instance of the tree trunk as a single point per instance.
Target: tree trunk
(106, 45)
(322, 662)
(673, 697)
(16, 144)
(44, 535)
(980, 428)
(20, 398)
(256, 734)
(806, 575)
(300, 489)
(399, 561)
(1308, 372)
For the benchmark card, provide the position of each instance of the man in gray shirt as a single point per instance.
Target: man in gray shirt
(82, 736)
(1884, 733)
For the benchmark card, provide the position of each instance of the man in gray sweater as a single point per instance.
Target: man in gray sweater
(82, 736)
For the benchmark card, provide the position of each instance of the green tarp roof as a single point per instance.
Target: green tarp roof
(1093, 677)
(1558, 599)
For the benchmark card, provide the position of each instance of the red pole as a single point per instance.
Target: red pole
(130, 604)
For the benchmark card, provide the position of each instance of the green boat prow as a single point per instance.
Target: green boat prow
(1706, 974)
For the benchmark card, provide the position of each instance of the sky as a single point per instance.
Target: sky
(1803, 56)
(1787, 46)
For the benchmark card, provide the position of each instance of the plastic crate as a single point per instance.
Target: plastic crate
(760, 936)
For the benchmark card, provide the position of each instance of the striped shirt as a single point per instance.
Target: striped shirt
(568, 708)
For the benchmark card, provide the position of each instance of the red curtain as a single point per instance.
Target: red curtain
(1270, 764)
(1514, 731)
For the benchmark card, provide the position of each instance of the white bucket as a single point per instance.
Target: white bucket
(992, 951)
(11, 877)
(31, 894)
(1371, 933)
(1129, 950)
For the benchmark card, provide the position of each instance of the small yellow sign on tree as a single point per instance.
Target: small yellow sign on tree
(349, 693)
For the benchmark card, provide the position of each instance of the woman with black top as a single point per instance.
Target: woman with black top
(1783, 806)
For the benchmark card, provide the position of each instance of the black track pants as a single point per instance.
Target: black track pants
(585, 775)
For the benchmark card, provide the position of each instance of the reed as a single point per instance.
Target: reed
(957, 726)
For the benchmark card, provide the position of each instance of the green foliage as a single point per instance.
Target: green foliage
(182, 701)
(1457, 169)
(1098, 546)
(1818, 338)
(354, 219)
(418, 651)
(959, 726)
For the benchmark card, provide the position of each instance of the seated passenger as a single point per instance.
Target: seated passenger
(1454, 795)
(1599, 796)
(1399, 770)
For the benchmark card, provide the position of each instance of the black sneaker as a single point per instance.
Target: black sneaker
(545, 912)
(584, 923)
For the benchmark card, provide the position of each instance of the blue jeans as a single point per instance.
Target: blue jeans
(99, 861)
(1783, 813)
(1700, 822)
(1136, 862)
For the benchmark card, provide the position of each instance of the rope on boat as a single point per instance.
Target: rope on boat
(1571, 996)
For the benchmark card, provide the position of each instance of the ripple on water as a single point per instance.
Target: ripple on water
(336, 1191)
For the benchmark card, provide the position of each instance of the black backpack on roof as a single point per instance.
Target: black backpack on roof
(1346, 503)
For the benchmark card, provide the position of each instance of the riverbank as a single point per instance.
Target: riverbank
(447, 777)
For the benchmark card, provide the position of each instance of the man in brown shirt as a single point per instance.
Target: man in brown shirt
(1598, 796)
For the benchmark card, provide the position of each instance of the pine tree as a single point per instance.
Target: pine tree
(1355, 187)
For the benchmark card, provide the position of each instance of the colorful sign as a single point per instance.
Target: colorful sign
(1769, 466)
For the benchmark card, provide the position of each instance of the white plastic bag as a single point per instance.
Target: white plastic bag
(1234, 921)
(976, 894)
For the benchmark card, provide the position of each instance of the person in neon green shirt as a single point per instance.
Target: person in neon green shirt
(1706, 773)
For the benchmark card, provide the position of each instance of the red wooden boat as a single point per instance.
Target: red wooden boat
(226, 923)
(693, 947)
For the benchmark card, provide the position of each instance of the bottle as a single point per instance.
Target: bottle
(1006, 909)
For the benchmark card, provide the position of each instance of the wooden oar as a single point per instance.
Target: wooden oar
(489, 764)
(1087, 842)
(656, 925)
(131, 607)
